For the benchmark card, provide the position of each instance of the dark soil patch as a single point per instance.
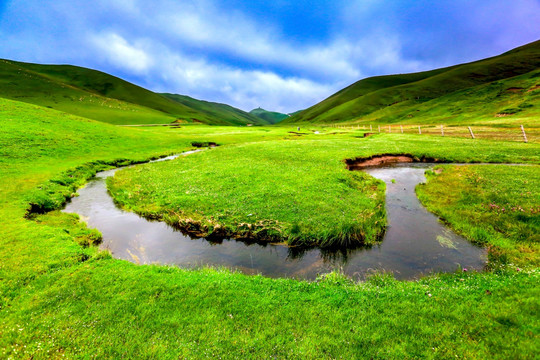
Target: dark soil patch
(514, 89)
(365, 135)
(536, 87)
(386, 159)
(201, 144)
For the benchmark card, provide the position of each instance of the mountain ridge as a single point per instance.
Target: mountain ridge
(394, 98)
(272, 117)
(100, 96)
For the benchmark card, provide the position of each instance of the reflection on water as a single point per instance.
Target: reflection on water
(415, 243)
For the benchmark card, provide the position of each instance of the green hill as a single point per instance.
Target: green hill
(271, 117)
(484, 91)
(96, 95)
(209, 111)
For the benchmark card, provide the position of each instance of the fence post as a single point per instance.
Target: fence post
(524, 135)
(442, 130)
(401, 126)
(419, 130)
(379, 129)
(470, 131)
(389, 130)
(370, 128)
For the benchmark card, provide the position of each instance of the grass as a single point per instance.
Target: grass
(298, 191)
(496, 206)
(269, 191)
(60, 297)
(467, 94)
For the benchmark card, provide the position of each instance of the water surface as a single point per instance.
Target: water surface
(415, 244)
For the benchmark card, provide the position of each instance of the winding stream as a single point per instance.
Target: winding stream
(416, 242)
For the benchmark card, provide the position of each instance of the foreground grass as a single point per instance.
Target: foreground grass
(61, 298)
(497, 206)
(112, 309)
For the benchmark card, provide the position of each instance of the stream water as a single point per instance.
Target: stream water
(416, 242)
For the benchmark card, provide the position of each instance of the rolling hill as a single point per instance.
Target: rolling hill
(209, 111)
(271, 117)
(505, 86)
(100, 96)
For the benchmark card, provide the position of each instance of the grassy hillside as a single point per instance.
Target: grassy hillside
(271, 117)
(97, 95)
(506, 86)
(209, 111)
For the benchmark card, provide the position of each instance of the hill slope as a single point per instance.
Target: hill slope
(211, 110)
(271, 117)
(505, 85)
(94, 94)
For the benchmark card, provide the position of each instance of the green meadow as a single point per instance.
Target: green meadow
(61, 297)
(497, 206)
(299, 191)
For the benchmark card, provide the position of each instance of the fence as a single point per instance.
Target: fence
(507, 133)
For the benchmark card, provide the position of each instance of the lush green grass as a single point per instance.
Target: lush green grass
(110, 309)
(299, 191)
(100, 96)
(271, 191)
(496, 206)
(463, 94)
(61, 297)
(271, 117)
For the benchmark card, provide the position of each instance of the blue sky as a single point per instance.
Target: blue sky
(280, 55)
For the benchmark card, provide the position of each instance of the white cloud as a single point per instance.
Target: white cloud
(245, 89)
(381, 54)
(190, 38)
(203, 25)
(121, 53)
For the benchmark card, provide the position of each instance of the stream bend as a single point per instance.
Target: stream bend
(416, 242)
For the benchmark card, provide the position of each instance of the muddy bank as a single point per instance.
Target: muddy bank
(388, 159)
(261, 232)
(204, 144)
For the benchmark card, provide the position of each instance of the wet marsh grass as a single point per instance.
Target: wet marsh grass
(296, 191)
(495, 206)
(267, 191)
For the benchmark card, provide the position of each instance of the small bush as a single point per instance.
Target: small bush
(509, 111)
